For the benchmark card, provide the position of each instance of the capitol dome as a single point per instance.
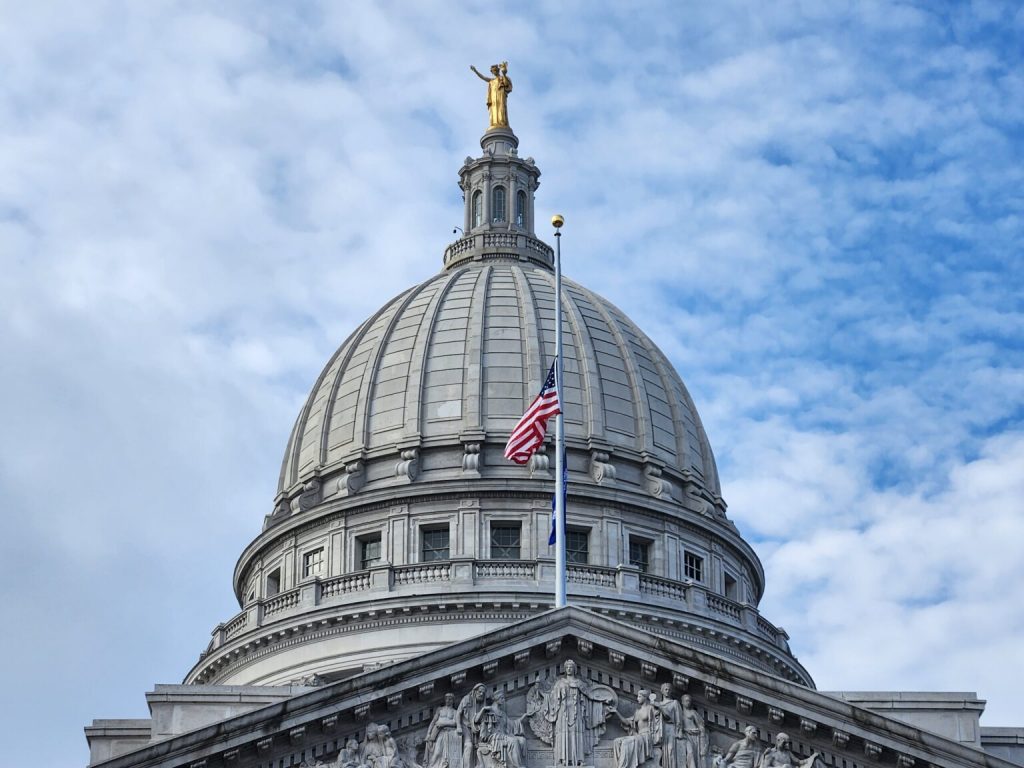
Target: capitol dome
(399, 527)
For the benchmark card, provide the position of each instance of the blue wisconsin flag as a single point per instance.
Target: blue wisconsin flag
(553, 537)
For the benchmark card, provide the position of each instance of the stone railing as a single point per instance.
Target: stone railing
(281, 602)
(502, 242)
(596, 575)
(423, 573)
(344, 585)
(463, 576)
(236, 625)
(659, 587)
(505, 569)
(724, 606)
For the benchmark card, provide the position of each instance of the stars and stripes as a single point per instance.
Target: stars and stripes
(528, 434)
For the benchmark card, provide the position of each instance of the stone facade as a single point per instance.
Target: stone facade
(231, 725)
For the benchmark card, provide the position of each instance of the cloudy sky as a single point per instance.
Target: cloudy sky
(816, 210)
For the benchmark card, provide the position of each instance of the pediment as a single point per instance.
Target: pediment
(525, 664)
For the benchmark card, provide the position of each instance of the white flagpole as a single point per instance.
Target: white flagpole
(557, 221)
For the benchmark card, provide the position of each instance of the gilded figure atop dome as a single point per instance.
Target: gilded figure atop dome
(499, 86)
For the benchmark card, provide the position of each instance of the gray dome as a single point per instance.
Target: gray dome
(399, 527)
(466, 351)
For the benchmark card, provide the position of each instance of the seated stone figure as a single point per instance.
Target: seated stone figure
(349, 756)
(781, 755)
(742, 753)
(501, 743)
(644, 737)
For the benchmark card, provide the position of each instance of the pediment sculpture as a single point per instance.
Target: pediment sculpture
(570, 715)
(562, 721)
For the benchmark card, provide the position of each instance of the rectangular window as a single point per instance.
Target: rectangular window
(731, 588)
(312, 562)
(693, 566)
(435, 544)
(273, 582)
(639, 553)
(577, 547)
(506, 541)
(369, 551)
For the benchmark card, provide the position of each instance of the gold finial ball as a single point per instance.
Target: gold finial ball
(557, 221)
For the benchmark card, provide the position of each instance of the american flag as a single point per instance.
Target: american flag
(529, 432)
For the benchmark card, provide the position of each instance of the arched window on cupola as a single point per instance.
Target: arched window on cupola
(521, 208)
(498, 205)
(478, 208)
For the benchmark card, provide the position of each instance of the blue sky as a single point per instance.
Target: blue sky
(814, 208)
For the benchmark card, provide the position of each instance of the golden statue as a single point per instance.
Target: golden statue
(499, 86)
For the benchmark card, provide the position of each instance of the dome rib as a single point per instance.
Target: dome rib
(473, 362)
(682, 450)
(417, 367)
(536, 357)
(585, 359)
(293, 452)
(349, 348)
(368, 386)
(643, 432)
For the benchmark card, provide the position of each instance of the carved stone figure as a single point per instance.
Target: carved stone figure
(444, 742)
(695, 735)
(644, 733)
(570, 717)
(502, 744)
(389, 748)
(467, 726)
(673, 748)
(348, 757)
(742, 753)
(371, 752)
(781, 755)
(499, 86)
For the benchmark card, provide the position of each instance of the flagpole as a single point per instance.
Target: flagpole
(557, 221)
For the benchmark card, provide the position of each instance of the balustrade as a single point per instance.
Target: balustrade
(505, 569)
(423, 573)
(724, 606)
(344, 585)
(662, 587)
(591, 574)
(504, 240)
(366, 585)
(236, 625)
(281, 602)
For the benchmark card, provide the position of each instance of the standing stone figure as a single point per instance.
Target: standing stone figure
(499, 86)
(644, 733)
(742, 753)
(570, 716)
(695, 734)
(673, 747)
(444, 742)
(781, 755)
(468, 726)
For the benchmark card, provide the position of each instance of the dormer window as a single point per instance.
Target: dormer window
(521, 208)
(498, 205)
(478, 208)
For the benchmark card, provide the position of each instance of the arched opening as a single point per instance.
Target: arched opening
(521, 208)
(498, 205)
(478, 208)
